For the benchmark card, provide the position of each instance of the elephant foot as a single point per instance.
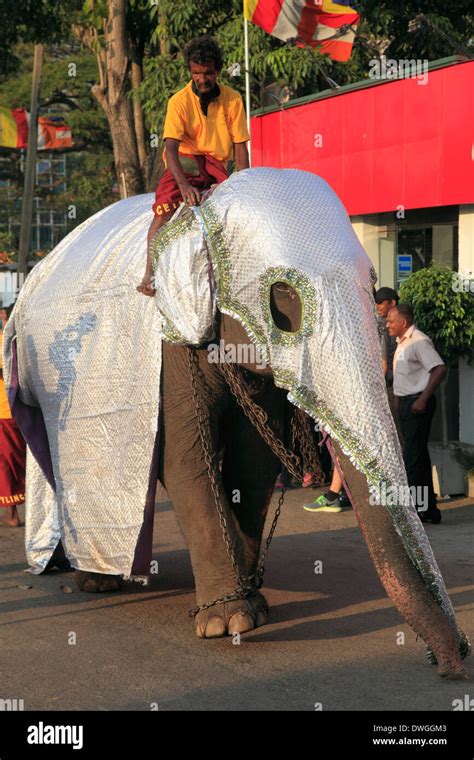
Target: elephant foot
(229, 618)
(97, 583)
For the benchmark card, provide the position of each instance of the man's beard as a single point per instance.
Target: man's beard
(207, 97)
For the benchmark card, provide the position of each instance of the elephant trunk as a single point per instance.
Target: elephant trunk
(399, 576)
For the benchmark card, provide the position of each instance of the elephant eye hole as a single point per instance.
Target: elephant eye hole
(285, 307)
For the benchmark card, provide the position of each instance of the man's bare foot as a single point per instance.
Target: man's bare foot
(146, 285)
(11, 518)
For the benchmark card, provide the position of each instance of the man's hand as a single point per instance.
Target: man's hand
(419, 406)
(191, 195)
(146, 285)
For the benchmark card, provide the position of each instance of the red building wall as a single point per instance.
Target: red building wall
(398, 143)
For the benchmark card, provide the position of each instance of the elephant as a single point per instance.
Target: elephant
(114, 392)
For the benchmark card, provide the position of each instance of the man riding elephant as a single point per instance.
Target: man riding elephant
(204, 122)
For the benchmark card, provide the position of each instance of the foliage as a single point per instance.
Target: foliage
(90, 167)
(443, 310)
(31, 21)
(384, 26)
(158, 29)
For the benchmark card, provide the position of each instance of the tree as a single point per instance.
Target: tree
(138, 47)
(106, 34)
(31, 21)
(444, 310)
(68, 74)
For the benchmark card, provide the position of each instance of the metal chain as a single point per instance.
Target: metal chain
(302, 433)
(242, 591)
(261, 564)
(259, 419)
(294, 464)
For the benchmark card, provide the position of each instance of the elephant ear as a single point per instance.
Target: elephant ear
(184, 281)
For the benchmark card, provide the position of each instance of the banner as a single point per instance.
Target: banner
(53, 133)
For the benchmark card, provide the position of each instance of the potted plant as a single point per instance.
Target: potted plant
(445, 312)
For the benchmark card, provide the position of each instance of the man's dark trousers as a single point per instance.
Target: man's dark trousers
(416, 430)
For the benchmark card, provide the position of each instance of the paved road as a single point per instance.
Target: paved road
(331, 639)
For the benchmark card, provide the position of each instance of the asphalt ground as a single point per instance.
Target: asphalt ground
(333, 640)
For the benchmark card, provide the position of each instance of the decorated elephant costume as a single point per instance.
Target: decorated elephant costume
(269, 261)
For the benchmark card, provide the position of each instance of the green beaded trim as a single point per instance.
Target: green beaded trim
(307, 295)
(220, 256)
(170, 333)
(168, 233)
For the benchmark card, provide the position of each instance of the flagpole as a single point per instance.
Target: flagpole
(247, 81)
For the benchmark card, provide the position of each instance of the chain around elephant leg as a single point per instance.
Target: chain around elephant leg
(243, 588)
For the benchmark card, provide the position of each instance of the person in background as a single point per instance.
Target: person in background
(12, 452)
(418, 369)
(386, 299)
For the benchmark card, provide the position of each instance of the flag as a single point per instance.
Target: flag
(310, 22)
(14, 124)
(13, 128)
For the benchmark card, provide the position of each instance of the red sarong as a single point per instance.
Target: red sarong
(200, 171)
(12, 464)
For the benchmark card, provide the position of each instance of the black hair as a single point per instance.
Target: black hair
(406, 310)
(386, 294)
(203, 50)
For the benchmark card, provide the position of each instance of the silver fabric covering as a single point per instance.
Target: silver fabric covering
(89, 349)
(89, 354)
(266, 225)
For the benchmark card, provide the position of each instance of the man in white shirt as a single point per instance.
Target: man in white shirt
(417, 371)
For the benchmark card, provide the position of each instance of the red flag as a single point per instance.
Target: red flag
(318, 23)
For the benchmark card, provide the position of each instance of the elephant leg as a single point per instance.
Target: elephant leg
(184, 474)
(249, 470)
(97, 583)
(400, 578)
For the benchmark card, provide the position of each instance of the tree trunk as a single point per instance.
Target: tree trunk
(137, 77)
(157, 170)
(113, 98)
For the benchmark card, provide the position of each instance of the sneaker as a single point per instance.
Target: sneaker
(322, 504)
(344, 500)
(308, 480)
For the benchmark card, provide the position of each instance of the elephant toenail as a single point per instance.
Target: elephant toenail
(215, 627)
(240, 622)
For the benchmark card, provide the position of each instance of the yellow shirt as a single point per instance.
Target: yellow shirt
(213, 134)
(5, 413)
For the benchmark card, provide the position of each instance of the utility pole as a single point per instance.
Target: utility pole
(30, 168)
(247, 81)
